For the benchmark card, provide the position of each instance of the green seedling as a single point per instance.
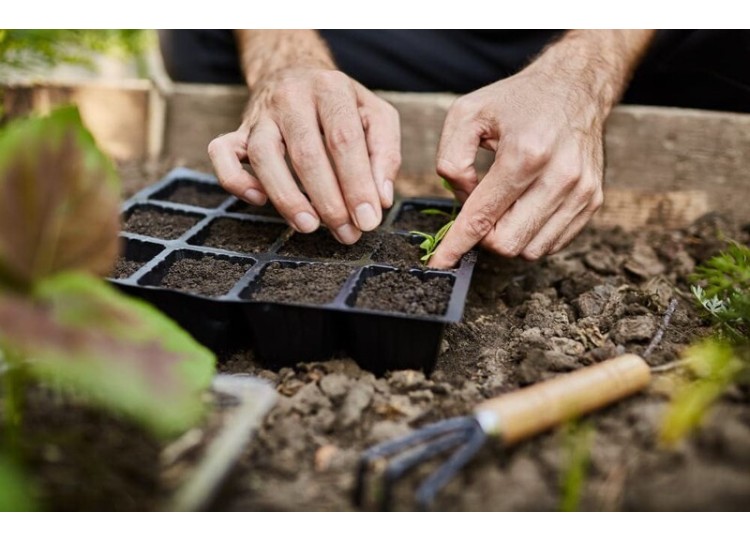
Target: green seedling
(430, 242)
(722, 289)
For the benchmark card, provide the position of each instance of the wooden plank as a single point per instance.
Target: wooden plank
(676, 161)
(117, 113)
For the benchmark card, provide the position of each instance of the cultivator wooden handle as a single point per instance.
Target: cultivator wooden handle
(518, 415)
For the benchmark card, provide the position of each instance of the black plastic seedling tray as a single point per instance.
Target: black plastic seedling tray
(281, 332)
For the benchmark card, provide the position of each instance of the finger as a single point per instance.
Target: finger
(345, 139)
(383, 135)
(457, 150)
(265, 152)
(578, 223)
(536, 209)
(508, 177)
(304, 145)
(226, 153)
(576, 202)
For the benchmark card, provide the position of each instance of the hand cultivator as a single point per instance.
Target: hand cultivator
(512, 418)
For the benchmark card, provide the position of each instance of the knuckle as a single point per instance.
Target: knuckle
(450, 170)
(533, 253)
(570, 177)
(331, 78)
(479, 225)
(342, 138)
(597, 200)
(303, 153)
(391, 159)
(532, 154)
(213, 147)
(461, 106)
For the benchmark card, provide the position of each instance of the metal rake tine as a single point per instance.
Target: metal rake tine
(391, 447)
(407, 461)
(435, 482)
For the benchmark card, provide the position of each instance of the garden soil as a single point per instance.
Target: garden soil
(523, 323)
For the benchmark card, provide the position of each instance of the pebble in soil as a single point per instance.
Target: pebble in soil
(241, 235)
(400, 291)
(321, 244)
(205, 276)
(313, 284)
(198, 195)
(160, 224)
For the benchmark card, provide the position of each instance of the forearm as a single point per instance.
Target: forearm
(599, 63)
(264, 52)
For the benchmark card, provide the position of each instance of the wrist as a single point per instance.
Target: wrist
(267, 53)
(593, 66)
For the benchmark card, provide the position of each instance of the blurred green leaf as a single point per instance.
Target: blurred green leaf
(578, 439)
(59, 200)
(119, 352)
(30, 49)
(715, 366)
(15, 493)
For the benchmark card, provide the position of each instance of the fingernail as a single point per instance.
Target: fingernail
(347, 234)
(366, 217)
(256, 197)
(388, 192)
(305, 222)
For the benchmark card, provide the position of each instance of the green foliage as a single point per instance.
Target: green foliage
(59, 323)
(722, 289)
(578, 437)
(59, 200)
(431, 242)
(35, 49)
(15, 495)
(715, 365)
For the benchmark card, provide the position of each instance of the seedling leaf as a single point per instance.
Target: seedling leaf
(119, 352)
(15, 494)
(59, 200)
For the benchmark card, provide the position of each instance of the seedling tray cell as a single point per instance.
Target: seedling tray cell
(236, 276)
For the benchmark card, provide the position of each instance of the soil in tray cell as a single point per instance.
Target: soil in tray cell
(160, 224)
(241, 235)
(255, 210)
(133, 254)
(412, 219)
(321, 244)
(197, 194)
(398, 251)
(401, 291)
(204, 276)
(315, 284)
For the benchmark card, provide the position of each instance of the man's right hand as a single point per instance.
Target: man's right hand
(343, 143)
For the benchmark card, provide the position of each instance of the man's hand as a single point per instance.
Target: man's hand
(545, 125)
(343, 143)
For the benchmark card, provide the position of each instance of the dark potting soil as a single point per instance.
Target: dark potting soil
(81, 459)
(245, 208)
(124, 268)
(400, 291)
(398, 251)
(161, 224)
(206, 276)
(314, 284)
(242, 235)
(524, 322)
(199, 196)
(321, 244)
(413, 220)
